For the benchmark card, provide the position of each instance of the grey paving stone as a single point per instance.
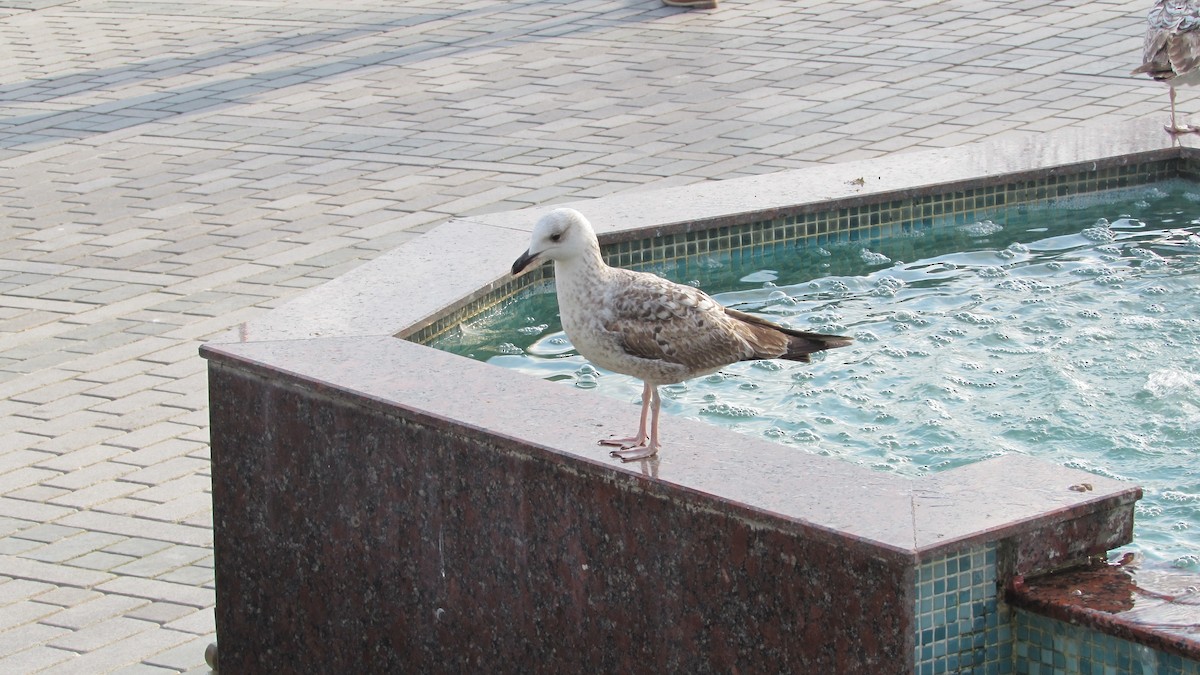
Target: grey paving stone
(34, 659)
(94, 611)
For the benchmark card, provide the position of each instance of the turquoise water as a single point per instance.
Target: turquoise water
(1069, 333)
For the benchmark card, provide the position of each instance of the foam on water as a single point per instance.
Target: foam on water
(1071, 335)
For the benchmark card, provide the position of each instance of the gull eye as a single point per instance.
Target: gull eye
(556, 237)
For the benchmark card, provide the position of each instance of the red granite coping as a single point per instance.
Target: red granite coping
(1152, 606)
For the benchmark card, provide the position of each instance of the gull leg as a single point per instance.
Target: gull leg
(1175, 127)
(644, 449)
(640, 439)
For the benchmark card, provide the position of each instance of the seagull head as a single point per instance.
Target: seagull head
(561, 235)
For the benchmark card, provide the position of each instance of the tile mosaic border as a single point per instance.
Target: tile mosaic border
(1047, 646)
(961, 622)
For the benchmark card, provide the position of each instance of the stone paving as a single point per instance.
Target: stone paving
(170, 169)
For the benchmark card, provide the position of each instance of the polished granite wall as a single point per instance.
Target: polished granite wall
(355, 539)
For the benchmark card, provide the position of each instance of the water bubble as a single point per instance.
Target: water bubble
(780, 298)
(866, 336)
(1177, 496)
(1139, 322)
(977, 319)
(509, 349)
(872, 258)
(1167, 383)
(727, 410)
(586, 381)
(1187, 561)
(769, 366)
(533, 330)
(806, 436)
(1099, 234)
(1148, 510)
(982, 228)
(992, 272)
(1018, 285)
(674, 390)
(887, 287)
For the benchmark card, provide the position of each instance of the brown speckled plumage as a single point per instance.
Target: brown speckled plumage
(1171, 53)
(643, 325)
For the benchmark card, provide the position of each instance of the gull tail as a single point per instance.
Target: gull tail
(772, 341)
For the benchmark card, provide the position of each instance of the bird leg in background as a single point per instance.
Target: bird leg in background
(1175, 128)
(640, 446)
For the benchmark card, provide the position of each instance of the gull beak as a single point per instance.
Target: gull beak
(524, 261)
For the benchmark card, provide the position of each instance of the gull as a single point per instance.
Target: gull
(639, 324)
(1172, 49)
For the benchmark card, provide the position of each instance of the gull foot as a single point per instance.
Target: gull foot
(625, 443)
(1175, 130)
(628, 454)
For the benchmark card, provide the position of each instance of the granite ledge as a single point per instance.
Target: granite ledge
(912, 518)
(1158, 608)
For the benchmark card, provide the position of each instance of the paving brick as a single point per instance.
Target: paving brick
(161, 612)
(93, 611)
(138, 527)
(66, 597)
(17, 590)
(33, 659)
(164, 561)
(72, 546)
(21, 637)
(127, 651)
(24, 477)
(96, 635)
(98, 561)
(159, 591)
(185, 656)
(48, 573)
(22, 612)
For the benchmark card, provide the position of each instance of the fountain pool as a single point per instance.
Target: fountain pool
(380, 505)
(1069, 331)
